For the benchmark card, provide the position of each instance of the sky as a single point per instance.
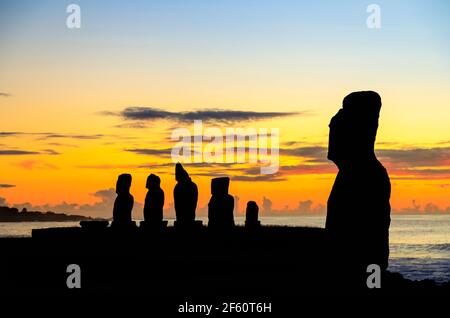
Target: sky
(80, 106)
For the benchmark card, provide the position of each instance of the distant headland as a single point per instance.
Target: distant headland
(8, 214)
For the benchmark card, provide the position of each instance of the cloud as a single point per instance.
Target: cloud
(317, 154)
(418, 174)
(71, 136)
(13, 152)
(50, 152)
(152, 152)
(103, 208)
(300, 169)
(421, 162)
(59, 144)
(51, 135)
(306, 207)
(156, 165)
(3, 94)
(136, 125)
(236, 172)
(262, 177)
(252, 174)
(6, 185)
(9, 133)
(438, 156)
(428, 208)
(216, 115)
(35, 164)
(110, 166)
(16, 152)
(146, 113)
(230, 115)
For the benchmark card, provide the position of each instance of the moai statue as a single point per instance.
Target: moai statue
(358, 209)
(221, 204)
(185, 196)
(123, 205)
(154, 202)
(251, 215)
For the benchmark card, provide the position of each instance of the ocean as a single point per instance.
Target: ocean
(419, 244)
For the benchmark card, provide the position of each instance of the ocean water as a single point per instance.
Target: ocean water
(419, 244)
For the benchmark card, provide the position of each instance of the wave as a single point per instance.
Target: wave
(439, 247)
(437, 269)
(420, 250)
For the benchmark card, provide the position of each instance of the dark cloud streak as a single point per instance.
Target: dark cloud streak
(17, 152)
(6, 185)
(216, 115)
(152, 152)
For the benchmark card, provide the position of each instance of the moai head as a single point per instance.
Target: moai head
(153, 181)
(219, 186)
(123, 183)
(353, 129)
(180, 173)
(252, 207)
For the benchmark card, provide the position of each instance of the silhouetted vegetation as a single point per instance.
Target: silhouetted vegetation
(8, 214)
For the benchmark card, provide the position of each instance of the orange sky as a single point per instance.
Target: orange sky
(64, 135)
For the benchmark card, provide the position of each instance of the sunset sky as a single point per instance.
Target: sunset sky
(69, 126)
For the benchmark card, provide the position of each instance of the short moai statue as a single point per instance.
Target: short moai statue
(221, 205)
(154, 203)
(185, 196)
(251, 215)
(123, 205)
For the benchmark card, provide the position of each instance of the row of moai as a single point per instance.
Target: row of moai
(185, 193)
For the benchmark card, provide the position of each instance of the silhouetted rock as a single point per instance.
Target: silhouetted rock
(123, 205)
(251, 215)
(154, 203)
(358, 216)
(221, 204)
(8, 214)
(185, 196)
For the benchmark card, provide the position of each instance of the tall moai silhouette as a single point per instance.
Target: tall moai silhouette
(221, 204)
(123, 205)
(251, 215)
(185, 196)
(358, 209)
(154, 202)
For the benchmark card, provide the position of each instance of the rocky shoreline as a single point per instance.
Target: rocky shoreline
(8, 214)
